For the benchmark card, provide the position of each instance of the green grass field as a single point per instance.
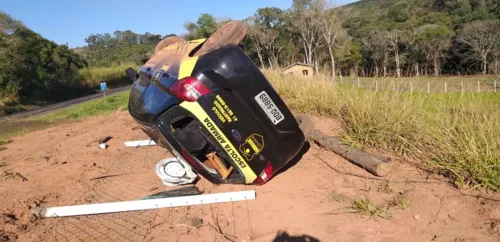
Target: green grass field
(452, 134)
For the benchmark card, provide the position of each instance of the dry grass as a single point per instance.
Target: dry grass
(337, 197)
(385, 187)
(400, 200)
(368, 208)
(456, 135)
(7, 100)
(113, 76)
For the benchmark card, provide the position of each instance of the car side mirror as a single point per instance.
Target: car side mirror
(131, 74)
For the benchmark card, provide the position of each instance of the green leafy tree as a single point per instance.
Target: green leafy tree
(206, 25)
(434, 40)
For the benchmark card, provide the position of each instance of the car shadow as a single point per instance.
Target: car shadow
(295, 159)
(285, 237)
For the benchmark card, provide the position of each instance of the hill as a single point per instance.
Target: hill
(411, 14)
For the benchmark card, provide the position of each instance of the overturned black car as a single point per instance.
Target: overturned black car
(215, 111)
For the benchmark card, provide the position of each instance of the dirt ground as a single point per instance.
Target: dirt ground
(311, 201)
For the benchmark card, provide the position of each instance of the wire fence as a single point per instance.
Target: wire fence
(434, 85)
(130, 175)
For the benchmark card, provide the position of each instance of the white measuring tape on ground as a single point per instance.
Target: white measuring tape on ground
(100, 208)
(136, 143)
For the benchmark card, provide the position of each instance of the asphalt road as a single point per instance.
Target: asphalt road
(65, 104)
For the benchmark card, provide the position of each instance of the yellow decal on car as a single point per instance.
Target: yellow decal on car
(198, 41)
(231, 151)
(253, 146)
(187, 66)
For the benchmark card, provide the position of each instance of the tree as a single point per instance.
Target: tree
(378, 42)
(394, 38)
(333, 33)
(267, 30)
(10, 59)
(352, 56)
(377, 46)
(254, 35)
(303, 19)
(434, 40)
(206, 25)
(496, 56)
(481, 38)
(129, 37)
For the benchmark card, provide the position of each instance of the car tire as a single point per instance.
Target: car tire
(232, 32)
(165, 42)
(305, 124)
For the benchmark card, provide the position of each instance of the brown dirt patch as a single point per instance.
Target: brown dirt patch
(309, 199)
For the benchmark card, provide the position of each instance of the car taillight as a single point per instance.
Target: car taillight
(265, 175)
(187, 157)
(189, 89)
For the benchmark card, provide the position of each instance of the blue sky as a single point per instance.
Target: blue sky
(71, 21)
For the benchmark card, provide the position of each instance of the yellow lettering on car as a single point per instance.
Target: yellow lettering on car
(228, 147)
(219, 115)
(224, 109)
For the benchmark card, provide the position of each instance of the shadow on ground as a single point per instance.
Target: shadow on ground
(285, 237)
(295, 159)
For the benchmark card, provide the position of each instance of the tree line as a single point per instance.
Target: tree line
(381, 37)
(365, 38)
(120, 47)
(31, 65)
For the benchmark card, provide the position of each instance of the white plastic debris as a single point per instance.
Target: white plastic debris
(113, 207)
(137, 143)
(175, 172)
(102, 146)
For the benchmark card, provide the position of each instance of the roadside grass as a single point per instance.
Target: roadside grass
(90, 79)
(15, 127)
(113, 76)
(93, 108)
(455, 135)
